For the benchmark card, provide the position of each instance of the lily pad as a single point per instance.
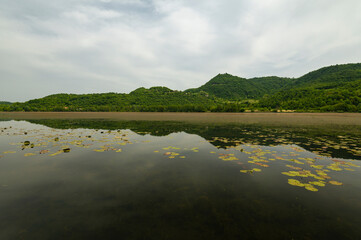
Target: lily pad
(295, 182)
(66, 150)
(335, 183)
(29, 154)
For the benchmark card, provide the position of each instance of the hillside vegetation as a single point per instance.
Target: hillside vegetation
(328, 77)
(344, 98)
(232, 87)
(334, 88)
(4, 103)
(142, 99)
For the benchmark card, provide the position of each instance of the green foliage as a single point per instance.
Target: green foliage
(344, 98)
(232, 87)
(331, 89)
(328, 77)
(5, 103)
(155, 99)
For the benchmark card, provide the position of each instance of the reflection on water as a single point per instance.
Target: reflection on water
(78, 179)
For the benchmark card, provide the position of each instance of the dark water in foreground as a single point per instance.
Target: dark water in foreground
(93, 179)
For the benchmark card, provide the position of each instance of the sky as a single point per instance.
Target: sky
(93, 46)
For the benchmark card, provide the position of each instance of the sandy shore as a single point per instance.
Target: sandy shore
(267, 118)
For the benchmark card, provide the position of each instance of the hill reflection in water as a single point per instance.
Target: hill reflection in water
(156, 180)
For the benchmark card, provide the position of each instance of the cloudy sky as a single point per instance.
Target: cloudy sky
(88, 46)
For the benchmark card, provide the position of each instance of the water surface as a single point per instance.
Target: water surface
(106, 179)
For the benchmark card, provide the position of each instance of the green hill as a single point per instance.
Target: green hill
(5, 103)
(342, 98)
(232, 87)
(141, 99)
(333, 88)
(328, 77)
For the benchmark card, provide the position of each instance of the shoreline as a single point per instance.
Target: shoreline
(256, 117)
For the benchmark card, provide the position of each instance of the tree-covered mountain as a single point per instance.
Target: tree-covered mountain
(340, 98)
(141, 99)
(333, 88)
(232, 87)
(328, 77)
(4, 103)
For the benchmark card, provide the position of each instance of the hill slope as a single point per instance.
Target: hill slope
(342, 98)
(328, 77)
(333, 88)
(153, 99)
(232, 87)
(5, 103)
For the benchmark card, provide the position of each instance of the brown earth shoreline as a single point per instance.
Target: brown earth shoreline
(266, 118)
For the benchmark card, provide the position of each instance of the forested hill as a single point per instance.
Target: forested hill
(232, 87)
(328, 77)
(342, 98)
(141, 99)
(4, 103)
(333, 88)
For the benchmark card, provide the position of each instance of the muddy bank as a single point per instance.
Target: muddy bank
(265, 118)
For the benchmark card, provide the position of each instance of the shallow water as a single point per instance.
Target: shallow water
(106, 179)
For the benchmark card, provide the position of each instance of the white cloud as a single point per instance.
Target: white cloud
(101, 45)
(88, 15)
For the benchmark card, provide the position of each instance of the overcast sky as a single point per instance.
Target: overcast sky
(92, 46)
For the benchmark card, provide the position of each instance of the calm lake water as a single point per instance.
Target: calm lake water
(114, 179)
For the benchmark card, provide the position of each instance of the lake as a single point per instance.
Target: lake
(180, 176)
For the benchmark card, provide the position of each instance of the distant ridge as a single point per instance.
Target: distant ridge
(334, 88)
(228, 86)
(331, 75)
(5, 103)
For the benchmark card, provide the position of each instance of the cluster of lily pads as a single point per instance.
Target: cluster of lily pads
(306, 169)
(308, 172)
(44, 141)
(173, 154)
(322, 145)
